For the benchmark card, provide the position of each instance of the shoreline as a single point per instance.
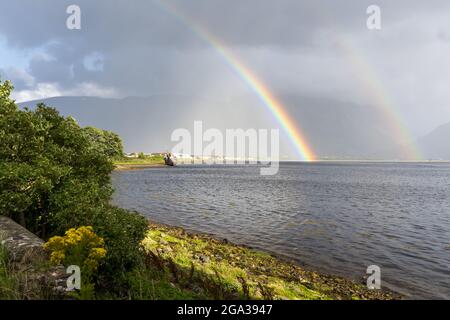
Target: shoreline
(141, 166)
(289, 278)
(127, 167)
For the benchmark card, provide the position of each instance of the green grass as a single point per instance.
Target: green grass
(9, 288)
(23, 282)
(152, 160)
(152, 284)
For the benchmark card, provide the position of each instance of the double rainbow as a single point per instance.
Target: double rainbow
(378, 92)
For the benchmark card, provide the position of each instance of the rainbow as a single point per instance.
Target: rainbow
(378, 93)
(275, 107)
(382, 99)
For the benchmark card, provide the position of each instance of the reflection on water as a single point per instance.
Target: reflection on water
(336, 217)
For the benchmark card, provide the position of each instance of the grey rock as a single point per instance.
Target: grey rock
(22, 245)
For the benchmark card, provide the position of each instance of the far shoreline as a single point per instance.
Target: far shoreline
(121, 166)
(127, 167)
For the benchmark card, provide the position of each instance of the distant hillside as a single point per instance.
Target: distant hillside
(146, 124)
(436, 144)
(334, 129)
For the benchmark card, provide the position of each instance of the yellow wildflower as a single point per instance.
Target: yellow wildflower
(80, 246)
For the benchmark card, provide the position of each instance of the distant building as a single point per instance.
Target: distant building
(131, 155)
(146, 154)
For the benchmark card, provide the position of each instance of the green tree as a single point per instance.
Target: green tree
(41, 154)
(141, 155)
(106, 142)
(55, 175)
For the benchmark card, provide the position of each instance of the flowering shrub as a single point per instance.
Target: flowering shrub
(80, 246)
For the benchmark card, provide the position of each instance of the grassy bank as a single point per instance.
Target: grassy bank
(200, 266)
(8, 281)
(139, 163)
(177, 264)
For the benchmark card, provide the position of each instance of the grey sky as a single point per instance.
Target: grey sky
(136, 48)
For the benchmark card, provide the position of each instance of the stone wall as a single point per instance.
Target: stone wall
(25, 256)
(22, 245)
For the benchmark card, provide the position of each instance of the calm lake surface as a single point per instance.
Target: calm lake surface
(337, 218)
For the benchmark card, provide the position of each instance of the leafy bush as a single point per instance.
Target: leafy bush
(107, 142)
(41, 154)
(123, 232)
(55, 175)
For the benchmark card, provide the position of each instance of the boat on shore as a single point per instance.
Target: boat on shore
(169, 159)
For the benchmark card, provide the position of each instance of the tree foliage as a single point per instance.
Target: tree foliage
(55, 175)
(106, 142)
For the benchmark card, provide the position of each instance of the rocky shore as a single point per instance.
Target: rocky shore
(181, 264)
(247, 273)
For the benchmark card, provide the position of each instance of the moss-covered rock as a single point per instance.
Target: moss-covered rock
(221, 270)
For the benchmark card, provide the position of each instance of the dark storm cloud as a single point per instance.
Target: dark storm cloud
(111, 23)
(141, 41)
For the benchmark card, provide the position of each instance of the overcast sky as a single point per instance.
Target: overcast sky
(128, 48)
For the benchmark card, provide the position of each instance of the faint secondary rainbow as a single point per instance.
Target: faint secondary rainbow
(378, 93)
(275, 107)
(381, 98)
